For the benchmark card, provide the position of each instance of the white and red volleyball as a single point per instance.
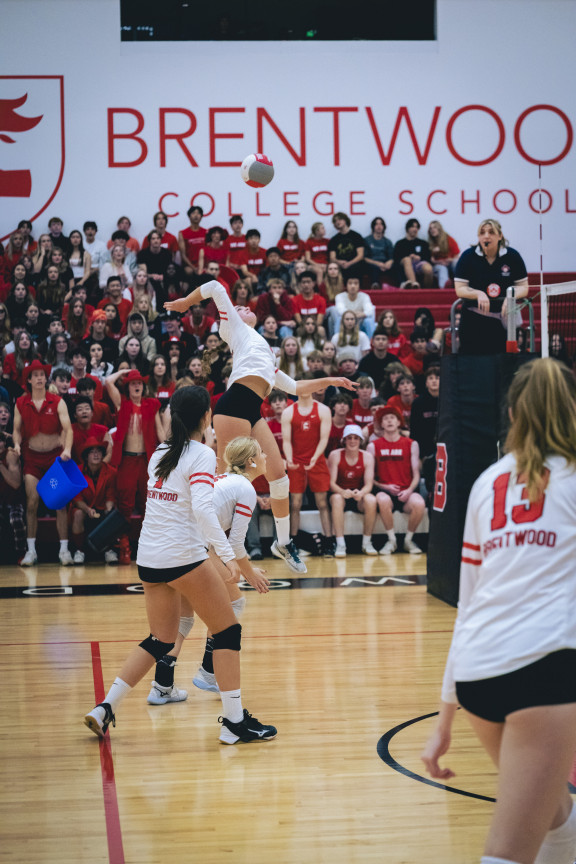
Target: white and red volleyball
(257, 170)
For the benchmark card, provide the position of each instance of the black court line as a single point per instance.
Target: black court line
(13, 592)
(383, 750)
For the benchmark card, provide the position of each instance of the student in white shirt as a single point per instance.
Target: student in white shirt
(237, 412)
(180, 522)
(512, 662)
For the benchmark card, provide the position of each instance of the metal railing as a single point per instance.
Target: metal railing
(526, 302)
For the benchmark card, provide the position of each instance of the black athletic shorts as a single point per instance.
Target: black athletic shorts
(549, 681)
(167, 574)
(241, 402)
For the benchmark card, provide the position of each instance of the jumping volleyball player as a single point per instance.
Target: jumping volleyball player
(234, 502)
(180, 522)
(237, 412)
(512, 662)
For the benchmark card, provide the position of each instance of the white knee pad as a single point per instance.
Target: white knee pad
(185, 626)
(280, 488)
(238, 606)
(559, 846)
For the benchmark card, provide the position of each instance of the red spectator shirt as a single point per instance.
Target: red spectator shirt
(315, 306)
(100, 490)
(318, 249)
(359, 415)
(254, 261)
(169, 241)
(235, 247)
(393, 461)
(81, 436)
(404, 409)
(291, 251)
(194, 240)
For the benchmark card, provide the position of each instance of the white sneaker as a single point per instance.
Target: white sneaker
(110, 557)
(340, 550)
(205, 681)
(368, 549)
(66, 558)
(290, 555)
(411, 547)
(29, 559)
(161, 695)
(389, 548)
(78, 557)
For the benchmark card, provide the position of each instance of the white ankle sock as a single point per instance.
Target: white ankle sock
(488, 859)
(238, 606)
(340, 541)
(366, 538)
(117, 692)
(391, 536)
(232, 705)
(559, 846)
(282, 529)
(31, 541)
(409, 535)
(63, 545)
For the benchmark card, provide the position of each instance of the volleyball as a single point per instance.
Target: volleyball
(257, 170)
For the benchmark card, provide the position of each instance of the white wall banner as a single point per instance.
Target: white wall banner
(478, 124)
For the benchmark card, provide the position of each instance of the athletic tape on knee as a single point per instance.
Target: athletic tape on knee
(185, 626)
(156, 648)
(279, 488)
(238, 606)
(228, 639)
(559, 844)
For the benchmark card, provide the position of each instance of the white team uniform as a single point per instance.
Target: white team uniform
(234, 501)
(181, 521)
(518, 575)
(251, 353)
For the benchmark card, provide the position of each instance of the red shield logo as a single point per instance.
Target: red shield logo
(32, 146)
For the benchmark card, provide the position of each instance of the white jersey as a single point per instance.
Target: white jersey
(251, 354)
(181, 521)
(518, 575)
(234, 501)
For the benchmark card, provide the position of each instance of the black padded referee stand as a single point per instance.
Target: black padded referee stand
(472, 428)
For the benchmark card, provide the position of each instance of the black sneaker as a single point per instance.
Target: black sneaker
(290, 555)
(255, 556)
(100, 718)
(249, 729)
(328, 547)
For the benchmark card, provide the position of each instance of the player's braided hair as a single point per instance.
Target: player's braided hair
(239, 453)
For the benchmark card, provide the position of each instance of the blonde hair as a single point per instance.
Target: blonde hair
(348, 337)
(497, 227)
(239, 452)
(441, 241)
(542, 402)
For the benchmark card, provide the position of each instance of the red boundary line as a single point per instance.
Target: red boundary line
(113, 827)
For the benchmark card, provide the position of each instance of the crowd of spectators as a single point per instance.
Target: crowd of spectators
(90, 314)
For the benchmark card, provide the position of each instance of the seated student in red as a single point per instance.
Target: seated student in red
(113, 295)
(94, 502)
(316, 249)
(199, 324)
(397, 475)
(41, 421)
(278, 402)
(361, 413)
(277, 302)
(405, 396)
(305, 431)
(235, 243)
(308, 302)
(292, 248)
(213, 248)
(415, 359)
(84, 428)
(341, 407)
(397, 341)
(138, 432)
(351, 482)
(253, 258)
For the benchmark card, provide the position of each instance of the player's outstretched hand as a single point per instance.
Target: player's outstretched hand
(343, 382)
(258, 580)
(179, 305)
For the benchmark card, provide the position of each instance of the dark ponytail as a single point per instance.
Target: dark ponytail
(188, 406)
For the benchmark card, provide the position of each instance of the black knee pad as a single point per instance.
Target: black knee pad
(229, 638)
(156, 648)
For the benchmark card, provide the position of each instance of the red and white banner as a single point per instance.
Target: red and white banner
(457, 130)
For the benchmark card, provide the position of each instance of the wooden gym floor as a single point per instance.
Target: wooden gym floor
(346, 662)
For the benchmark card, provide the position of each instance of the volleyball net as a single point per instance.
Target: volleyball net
(558, 322)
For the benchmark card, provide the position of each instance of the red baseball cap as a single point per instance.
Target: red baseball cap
(388, 409)
(133, 375)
